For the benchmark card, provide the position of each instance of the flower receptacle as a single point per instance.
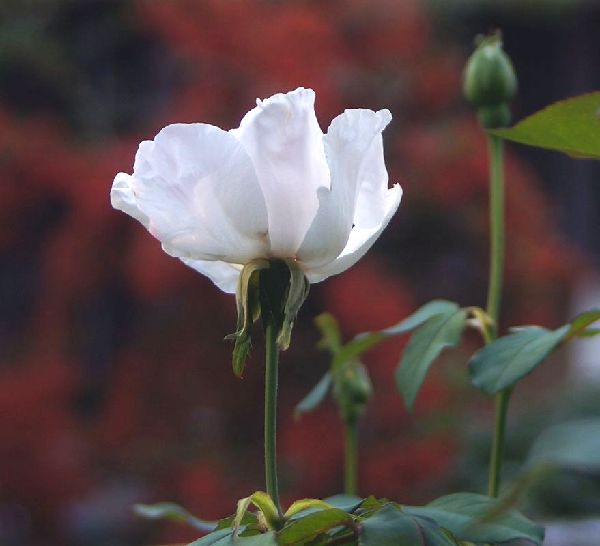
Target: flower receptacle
(273, 290)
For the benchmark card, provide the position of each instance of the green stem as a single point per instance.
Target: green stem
(351, 462)
(271, 365)
(496, 151)
(502, 399)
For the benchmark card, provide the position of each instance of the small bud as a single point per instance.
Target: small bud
(489, 82)
(352, 389)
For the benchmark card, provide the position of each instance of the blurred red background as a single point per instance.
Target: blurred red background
(115, 382)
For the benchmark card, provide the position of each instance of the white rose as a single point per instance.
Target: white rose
(276, 187)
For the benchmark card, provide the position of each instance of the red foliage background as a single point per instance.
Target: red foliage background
(115, 382)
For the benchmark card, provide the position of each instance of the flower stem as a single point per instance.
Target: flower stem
(496, 153)
(271, 368)
(351, 459)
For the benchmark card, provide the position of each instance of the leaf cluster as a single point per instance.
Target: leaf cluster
(452, 520)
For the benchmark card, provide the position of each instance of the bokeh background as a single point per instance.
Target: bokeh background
(115, 382)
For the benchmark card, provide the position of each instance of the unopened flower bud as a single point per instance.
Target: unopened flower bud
(489, 82)
(352, 390)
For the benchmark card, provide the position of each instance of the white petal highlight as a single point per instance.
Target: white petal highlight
(284, 141)
(197, 186)
(223, 274)
(359, 242)
(123, 198)
(354, 151)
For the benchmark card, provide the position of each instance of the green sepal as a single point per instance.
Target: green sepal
(283, 289)
(296, 295)
(482, 322)
(274, 290)
(260, 499)
(248, 308)
(306, 504)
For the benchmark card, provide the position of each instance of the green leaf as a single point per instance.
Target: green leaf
(173, 512)
(249, 519)
(392, 527)
(302, 529)
(426, 344)
(366, 340)
(421, 315)
(347, 503)
(580, 323)
(372, 504)
(213, 538)
(569, 446)
(571, 126)
(574, 446)
(331, 337)
(225, 538)
(461, 513)
(314, 397)
(503, 362)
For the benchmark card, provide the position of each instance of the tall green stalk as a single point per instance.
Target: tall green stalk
(351, 459)
(497, 453)
(496, 153)
(271, 369)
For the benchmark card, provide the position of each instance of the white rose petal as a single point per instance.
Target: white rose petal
(276, 187)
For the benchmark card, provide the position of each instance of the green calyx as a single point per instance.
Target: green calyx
(274, 290)
(489, 82)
